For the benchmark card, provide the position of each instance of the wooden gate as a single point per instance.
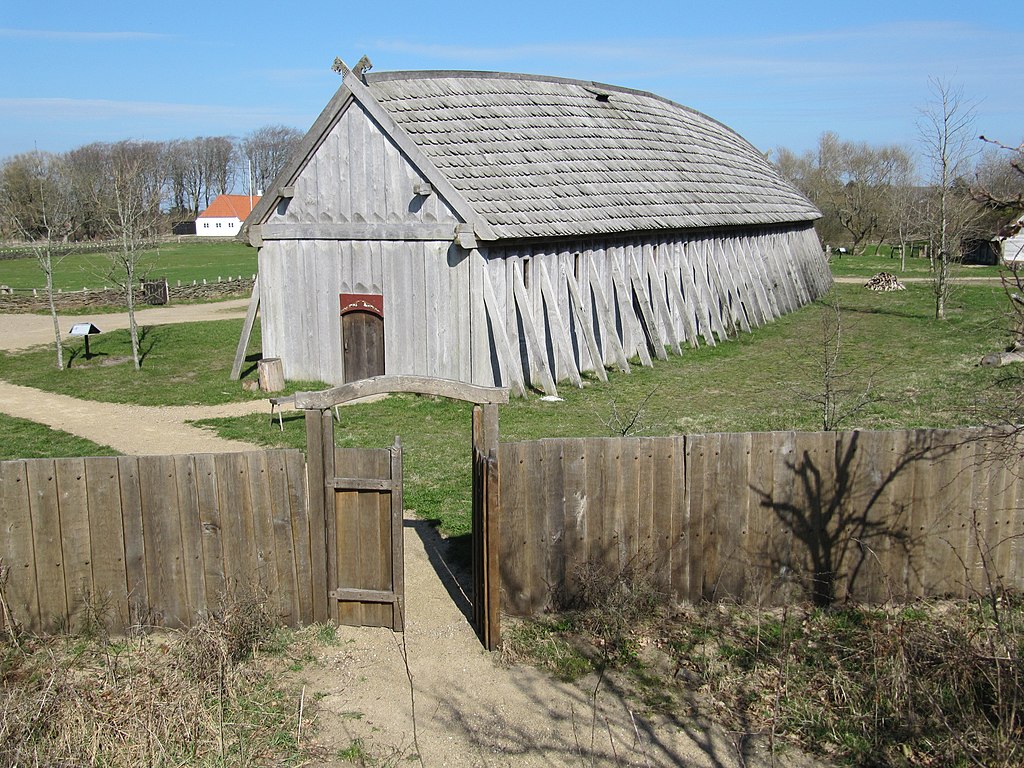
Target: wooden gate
(361, 505)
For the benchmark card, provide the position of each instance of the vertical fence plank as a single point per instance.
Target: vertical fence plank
(190, 523)
(106, 539)
(696, 469)
(165, 569)
(74, 535)
(551, 478)
(627, 504)
(515, 497)
(262, 542)
(732, 489)
(759, 556)
(574, 488)
(134, 540)
(286, 598)
(295, 468)
(16, 546)
(46, 538)
(651, 495)
(680, 541)
(211, 527)
(537, 533)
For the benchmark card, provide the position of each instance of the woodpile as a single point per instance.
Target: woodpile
(884, 281)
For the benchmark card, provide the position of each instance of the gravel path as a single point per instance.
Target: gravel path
(20, 331)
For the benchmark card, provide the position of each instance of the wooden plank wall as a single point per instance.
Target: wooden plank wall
(155, 539)
(764, 517)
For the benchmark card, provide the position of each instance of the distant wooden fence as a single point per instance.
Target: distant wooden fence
(156, 539)
(763, 517)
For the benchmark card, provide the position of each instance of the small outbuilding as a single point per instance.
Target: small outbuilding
(224, 216)
(1010, 243)
(515, 230)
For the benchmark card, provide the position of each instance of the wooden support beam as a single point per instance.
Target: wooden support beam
(243, 340)
(623, 296)
(657, 283)
(323, 537)
(606, 322)
(715, 296)
(539, 372)
(398, 533)
(582, 322)
(285, 230)
(640, 292)
(511, 371)
(561, 342)
(675, 296)
(386, 384)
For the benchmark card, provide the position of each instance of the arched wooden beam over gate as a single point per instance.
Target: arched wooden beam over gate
(391, 384)
(329, 506)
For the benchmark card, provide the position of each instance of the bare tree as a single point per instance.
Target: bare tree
(857, 180)
(132, 195)
(267, 150)
(219, 156)
(1000, 177)
(853, 184)
(36, 205)
(841, 393)
(946, 127)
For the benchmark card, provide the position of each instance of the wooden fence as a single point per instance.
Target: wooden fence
(763, 517)
(156, 539)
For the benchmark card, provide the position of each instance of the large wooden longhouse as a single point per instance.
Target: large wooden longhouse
(517, 230)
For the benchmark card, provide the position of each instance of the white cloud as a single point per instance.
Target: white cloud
(67, 35)
(105, 109)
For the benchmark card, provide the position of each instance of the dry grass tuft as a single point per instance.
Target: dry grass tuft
(204, 697)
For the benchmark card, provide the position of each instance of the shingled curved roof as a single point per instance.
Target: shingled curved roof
(543, 156)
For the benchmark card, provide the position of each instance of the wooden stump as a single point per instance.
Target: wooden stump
(271, 374)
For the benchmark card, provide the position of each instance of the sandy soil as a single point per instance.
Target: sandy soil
(432, 691)
(470, 710)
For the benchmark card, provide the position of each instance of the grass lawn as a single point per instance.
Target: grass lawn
(186, 261)
(25, 439)
(186, 364)
(871, 263)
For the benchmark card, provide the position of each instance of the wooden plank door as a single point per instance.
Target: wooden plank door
(486, 527)
(362, 338)
(366, 579)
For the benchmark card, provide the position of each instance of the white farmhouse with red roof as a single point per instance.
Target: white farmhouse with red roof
(225, 215)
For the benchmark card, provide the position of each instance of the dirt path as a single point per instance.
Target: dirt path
(130, 429)
(20, 331)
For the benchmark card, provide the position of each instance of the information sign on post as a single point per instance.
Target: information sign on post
(86, 330)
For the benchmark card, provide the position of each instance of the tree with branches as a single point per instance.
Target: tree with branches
(946, 128)
(133, 191)
(36, 205)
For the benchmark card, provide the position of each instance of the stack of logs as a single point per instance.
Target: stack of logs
(884, 281)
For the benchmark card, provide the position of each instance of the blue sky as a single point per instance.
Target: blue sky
(780, 73)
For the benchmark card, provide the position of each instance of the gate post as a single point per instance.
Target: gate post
(320, 468)
(486, 526)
